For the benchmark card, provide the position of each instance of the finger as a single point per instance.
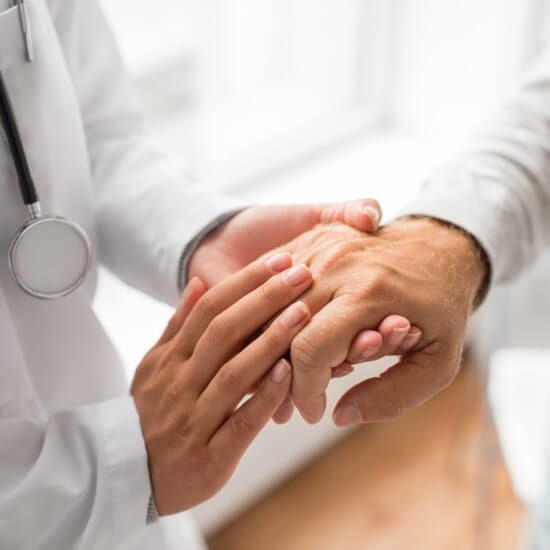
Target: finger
(322, 345)
(405, 386)
(392, 330)
(363, 214)
(229, 330)
(237, 433)
(341, 370)
(284, 413)
(226, 293)
(232, 382)
(365, 345)
(191, 295)
(411, 340)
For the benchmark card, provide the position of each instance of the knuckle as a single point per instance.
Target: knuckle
(219, 329)
(241, 423)
(174, 396)
(268, 293)
(334, 256)
(303, 353)
(229, 376)
(207, 305)
(383, 407)
(449, 373)
(444, 361)
(376, 282)
(274, 337)
(370, 287)
(184, 427)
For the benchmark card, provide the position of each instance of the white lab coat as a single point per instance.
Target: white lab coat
(73, 466)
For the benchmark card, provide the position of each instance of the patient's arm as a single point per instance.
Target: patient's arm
(425, 270)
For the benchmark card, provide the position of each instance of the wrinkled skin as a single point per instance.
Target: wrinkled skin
(426, 271)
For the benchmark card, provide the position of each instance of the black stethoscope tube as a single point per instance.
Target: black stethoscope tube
(26, 183)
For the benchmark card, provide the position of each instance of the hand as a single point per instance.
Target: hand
(258, 230)
(188, 387)
(427, 271)
(393, 336)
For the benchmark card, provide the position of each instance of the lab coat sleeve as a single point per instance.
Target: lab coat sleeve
(145, 214)
(498, 188)
(76, 480)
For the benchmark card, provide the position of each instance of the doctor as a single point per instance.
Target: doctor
(82, 463)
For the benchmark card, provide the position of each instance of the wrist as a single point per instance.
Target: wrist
(463, 253)
(205, 248)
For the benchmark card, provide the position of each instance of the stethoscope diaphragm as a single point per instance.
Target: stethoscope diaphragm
(49, 257)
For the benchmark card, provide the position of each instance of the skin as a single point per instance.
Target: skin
(427, 271)
(189, 386)
(258, 230)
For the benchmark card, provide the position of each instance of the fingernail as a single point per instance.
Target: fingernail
(280, 371)
(369, 352)
(295, 314)
(297, 275)
(373, 215)
(411, 339)
(347, 415)
(279, 262)
(396, 336)
(314, 408)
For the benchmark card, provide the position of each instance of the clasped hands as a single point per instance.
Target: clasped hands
(338, 295)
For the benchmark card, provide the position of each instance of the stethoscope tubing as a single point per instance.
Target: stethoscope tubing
(15, 143)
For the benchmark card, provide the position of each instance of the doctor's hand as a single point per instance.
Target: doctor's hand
(189, 387)
(427, 271)
(259, 229)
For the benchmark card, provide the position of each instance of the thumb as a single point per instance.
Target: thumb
(362, 214)
(406, 385)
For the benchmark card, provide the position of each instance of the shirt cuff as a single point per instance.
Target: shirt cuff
(193, 244)
(152, 512)
(125, 461)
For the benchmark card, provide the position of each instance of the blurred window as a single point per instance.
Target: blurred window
(239, 86)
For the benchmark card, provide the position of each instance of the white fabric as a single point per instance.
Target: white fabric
(499, 187)
(73, 466)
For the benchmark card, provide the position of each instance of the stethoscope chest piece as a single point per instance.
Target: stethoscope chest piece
(49, 257)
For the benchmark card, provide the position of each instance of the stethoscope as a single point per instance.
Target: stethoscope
(49, 256)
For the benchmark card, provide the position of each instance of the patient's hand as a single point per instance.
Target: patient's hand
(257, 230)
(423, 269)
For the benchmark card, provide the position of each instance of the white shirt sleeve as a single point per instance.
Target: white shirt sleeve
(498, 189)
(145, 214)
(77, 480)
